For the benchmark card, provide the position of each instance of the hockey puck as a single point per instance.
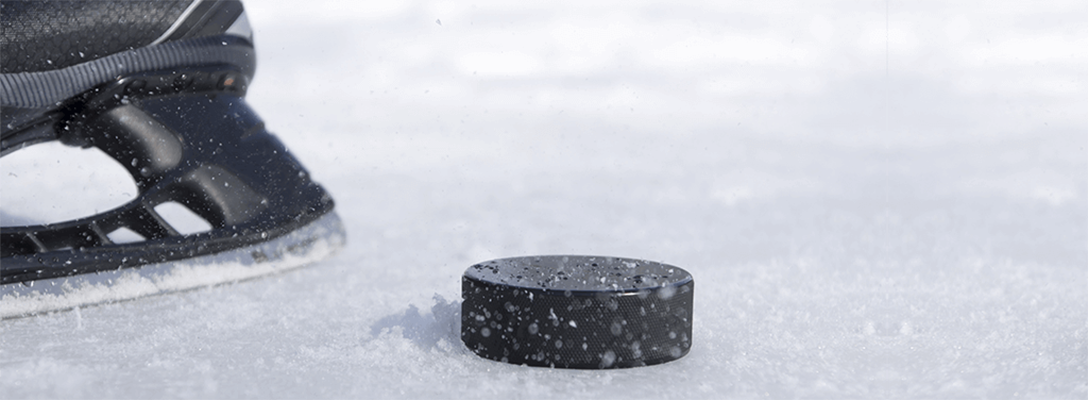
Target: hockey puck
(577, 311)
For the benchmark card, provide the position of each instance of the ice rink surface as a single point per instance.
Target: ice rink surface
(876, 200)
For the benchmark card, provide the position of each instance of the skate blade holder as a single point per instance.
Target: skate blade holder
(185, 137)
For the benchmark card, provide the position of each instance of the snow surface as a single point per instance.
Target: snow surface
(872, 205)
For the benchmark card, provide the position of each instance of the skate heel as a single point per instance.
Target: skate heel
(185, 137)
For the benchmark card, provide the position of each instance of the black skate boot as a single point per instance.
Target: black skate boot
(159, 87)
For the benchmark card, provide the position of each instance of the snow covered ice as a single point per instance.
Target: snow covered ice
(873, 206)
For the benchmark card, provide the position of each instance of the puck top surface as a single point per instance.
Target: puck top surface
(578, 273)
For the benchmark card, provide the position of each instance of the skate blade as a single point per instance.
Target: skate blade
(306, 245)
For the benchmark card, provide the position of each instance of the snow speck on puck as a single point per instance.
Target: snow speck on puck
(587, 312)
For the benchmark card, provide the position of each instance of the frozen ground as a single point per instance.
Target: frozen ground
(868, 212)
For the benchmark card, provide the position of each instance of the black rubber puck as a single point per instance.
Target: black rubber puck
(577, 311)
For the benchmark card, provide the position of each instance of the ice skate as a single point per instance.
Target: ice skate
(159, 87)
